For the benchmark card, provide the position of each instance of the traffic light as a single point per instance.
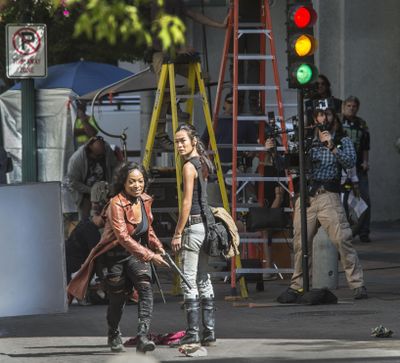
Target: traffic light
(301, 43)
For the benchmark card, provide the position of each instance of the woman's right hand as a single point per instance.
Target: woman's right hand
(159, 260)
(176, 243)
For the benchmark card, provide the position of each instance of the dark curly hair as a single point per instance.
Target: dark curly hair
(121, 174)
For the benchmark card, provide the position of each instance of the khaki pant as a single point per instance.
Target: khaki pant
(328, 210)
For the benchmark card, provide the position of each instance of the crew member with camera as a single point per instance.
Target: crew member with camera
(330, 151)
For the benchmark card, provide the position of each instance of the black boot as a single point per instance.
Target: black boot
(208, 312)
(114, 340)
(192, 308)
(144, 344)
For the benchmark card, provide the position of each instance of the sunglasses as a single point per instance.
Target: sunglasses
(229, 101)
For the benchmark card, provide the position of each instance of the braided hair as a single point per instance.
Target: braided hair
(207, 166)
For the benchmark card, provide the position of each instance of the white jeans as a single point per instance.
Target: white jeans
(195, 263)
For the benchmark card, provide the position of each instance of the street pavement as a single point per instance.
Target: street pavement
(254, 330)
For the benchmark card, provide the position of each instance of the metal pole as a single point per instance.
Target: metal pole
(29, 162)
(303, 190)
(29, 141)
(235, 129)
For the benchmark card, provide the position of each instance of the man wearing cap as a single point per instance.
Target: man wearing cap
(331, 151)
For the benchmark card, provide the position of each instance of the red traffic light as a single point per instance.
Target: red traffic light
(304, 16)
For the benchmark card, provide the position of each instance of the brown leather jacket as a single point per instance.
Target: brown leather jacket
(121, 221)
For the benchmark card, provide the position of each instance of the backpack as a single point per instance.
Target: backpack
(216, 242)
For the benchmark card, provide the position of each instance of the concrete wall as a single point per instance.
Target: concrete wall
(358, 51)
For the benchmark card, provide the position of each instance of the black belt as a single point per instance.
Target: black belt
(194, 219)
(320, 190)
(320, 187)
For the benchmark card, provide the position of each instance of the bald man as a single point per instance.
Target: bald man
(93, 162)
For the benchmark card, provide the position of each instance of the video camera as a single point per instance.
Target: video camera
(272, 130)
(322, 127)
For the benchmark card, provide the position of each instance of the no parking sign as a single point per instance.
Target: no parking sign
(26, 50)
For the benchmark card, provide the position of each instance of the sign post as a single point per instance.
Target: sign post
(26, 50)
(26, 59)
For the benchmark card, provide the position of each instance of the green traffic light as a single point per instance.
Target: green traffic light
(304, 74)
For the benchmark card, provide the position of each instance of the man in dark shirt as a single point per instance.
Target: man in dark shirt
(87, 234)
(357, 129)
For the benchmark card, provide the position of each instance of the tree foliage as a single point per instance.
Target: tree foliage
(111, 20)
(96, 30)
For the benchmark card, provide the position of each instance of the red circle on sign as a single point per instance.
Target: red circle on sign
(31, 49)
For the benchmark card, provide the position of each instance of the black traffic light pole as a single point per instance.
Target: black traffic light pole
(303, 190)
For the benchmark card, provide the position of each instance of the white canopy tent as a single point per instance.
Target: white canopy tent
(55, 113)
(54, 116)
(54, 119)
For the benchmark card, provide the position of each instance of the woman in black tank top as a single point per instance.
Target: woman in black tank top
(190, 233)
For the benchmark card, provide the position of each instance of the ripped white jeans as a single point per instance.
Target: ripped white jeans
(195, 263)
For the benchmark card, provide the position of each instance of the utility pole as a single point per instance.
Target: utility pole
(303, 191)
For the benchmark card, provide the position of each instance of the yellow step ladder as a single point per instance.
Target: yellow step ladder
(195, 78)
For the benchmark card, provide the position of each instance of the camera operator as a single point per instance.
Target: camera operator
(321, 90)
(330, 151)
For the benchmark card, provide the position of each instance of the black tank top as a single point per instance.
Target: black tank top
(196, 197)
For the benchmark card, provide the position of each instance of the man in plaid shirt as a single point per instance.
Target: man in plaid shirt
(331, 151)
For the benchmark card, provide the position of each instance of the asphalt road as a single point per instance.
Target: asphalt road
(266, 332)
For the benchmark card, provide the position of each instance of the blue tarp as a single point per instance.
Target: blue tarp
(82, 77)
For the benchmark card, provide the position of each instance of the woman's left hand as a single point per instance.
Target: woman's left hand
(176, 243)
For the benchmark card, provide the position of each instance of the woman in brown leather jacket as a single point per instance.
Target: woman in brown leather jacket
(127, 247)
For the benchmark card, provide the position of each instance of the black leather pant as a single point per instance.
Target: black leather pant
(123, 273)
